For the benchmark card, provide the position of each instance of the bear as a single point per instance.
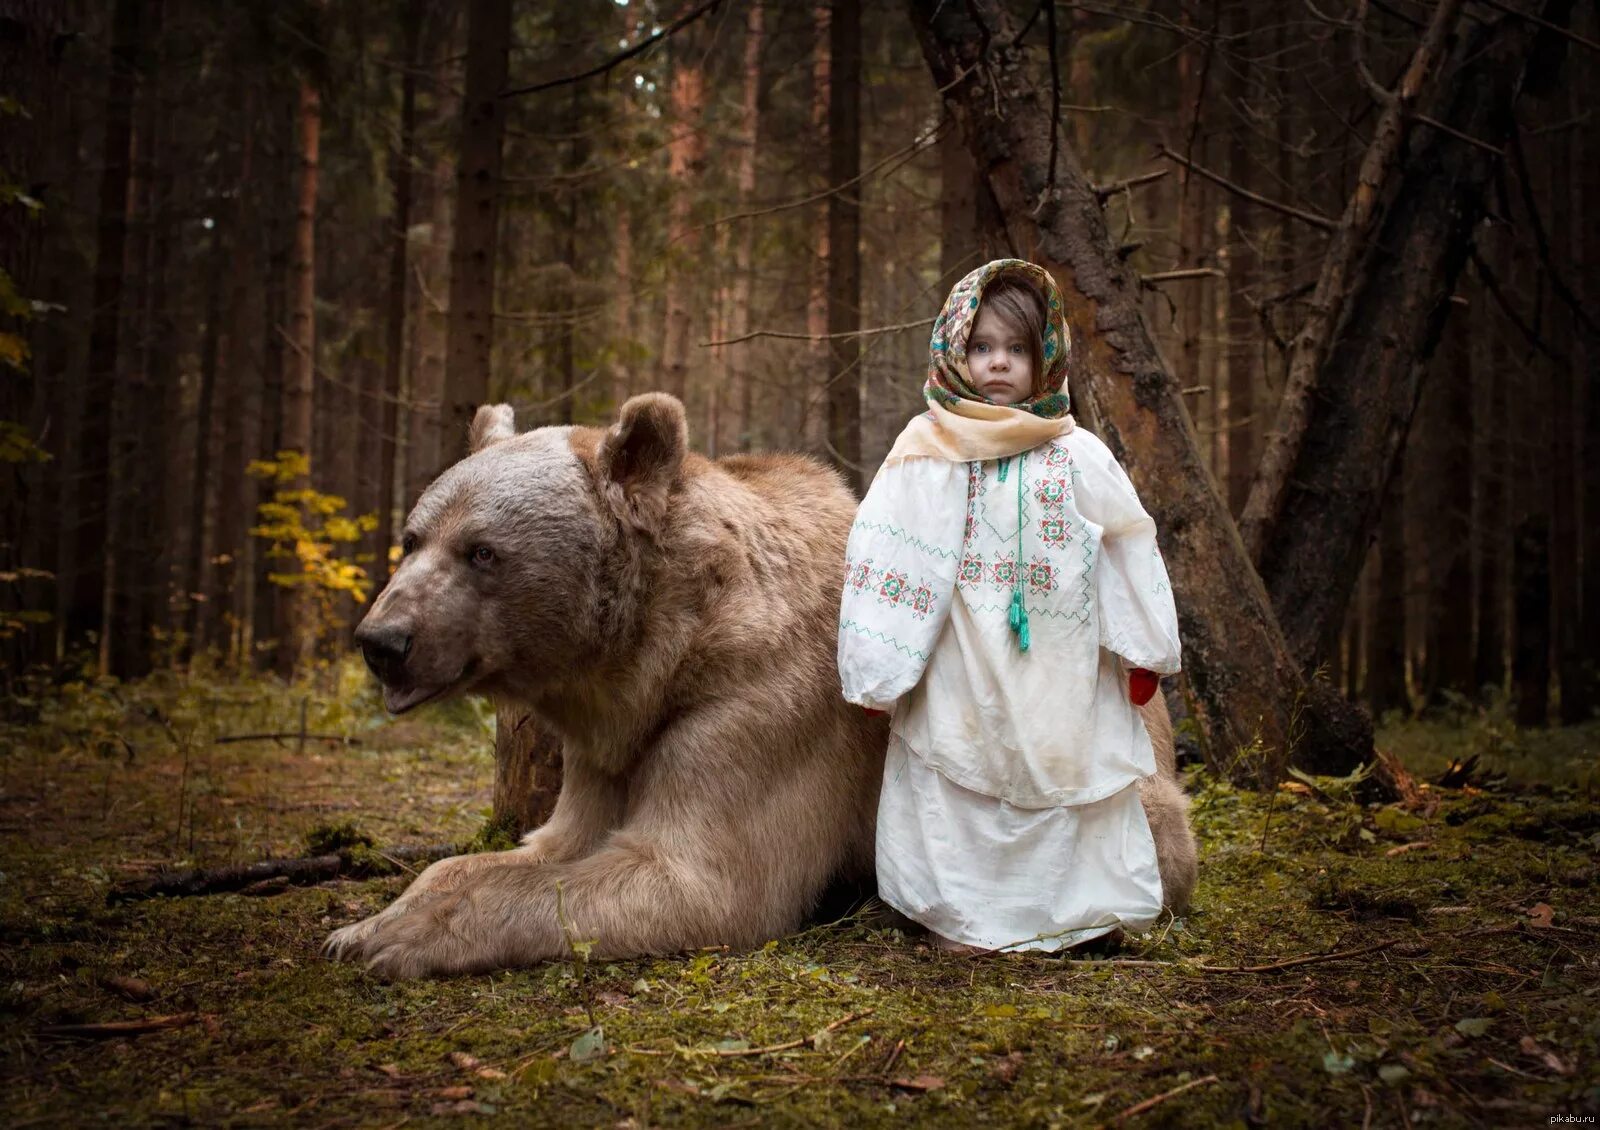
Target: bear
(673, 620)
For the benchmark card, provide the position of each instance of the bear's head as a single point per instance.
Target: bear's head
(519, 561)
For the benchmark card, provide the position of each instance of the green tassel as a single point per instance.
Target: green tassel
(1022, 636)
(1014, 617)
(1005, 465)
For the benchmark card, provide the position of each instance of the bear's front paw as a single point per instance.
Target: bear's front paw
(439, 935)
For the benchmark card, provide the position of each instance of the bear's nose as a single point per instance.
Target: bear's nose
(385, 649)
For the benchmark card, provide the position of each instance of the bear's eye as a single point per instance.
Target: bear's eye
(408, 543)
(482, 555)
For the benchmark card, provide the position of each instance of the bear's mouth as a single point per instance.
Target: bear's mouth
(399, 699)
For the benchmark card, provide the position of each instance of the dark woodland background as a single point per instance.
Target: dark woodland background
(261, 261)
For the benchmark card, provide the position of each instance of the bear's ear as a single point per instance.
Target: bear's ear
(490, 424)
(640, 457)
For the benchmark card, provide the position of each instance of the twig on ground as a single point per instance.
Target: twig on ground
(115, 1028)
(303, 871)
(786, 1046)
(1156, 1100)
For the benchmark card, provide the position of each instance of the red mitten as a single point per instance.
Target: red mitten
(1142, 685)
(871, 713)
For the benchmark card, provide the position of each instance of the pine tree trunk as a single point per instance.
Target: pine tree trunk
(1491, 502)
(810, 402)
(740, 383)
(527, 777)
(88, 565)
(394, 357)
(1530, 659)
(844, 242)
(299, 376)
(685, 155)
(1386, 639)
(470, 347)
(1448, 518)
(197, 616)
(1244, 273)
(1249, 692)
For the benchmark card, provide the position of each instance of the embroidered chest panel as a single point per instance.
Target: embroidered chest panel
(1023, 520)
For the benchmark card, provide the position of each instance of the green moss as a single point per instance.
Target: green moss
(283, 1037)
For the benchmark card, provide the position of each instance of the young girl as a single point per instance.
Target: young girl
(1004, 598)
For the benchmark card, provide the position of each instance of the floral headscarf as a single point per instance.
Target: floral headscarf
(948, 377)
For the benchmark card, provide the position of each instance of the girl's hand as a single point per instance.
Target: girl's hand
(1142, 685)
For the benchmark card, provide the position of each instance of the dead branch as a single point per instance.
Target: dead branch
(1103, 191)
(1556, 29)
(114, 1028)
(303, 871)
(620, 57)
(1296, 962)
(1321, 223)
(1350, 239)
(1156, 1100)
(1182, 275)
(343, 739)
(785, 336)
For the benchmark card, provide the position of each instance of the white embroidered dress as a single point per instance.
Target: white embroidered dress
(1009, 815)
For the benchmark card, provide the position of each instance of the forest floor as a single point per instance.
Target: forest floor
(1343, 964)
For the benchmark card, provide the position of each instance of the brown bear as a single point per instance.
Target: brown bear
(673, 620)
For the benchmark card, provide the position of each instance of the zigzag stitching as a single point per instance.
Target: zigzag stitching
(907, 537)
(1081, 616)
(888, 641)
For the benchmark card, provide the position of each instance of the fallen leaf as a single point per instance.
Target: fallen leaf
(1540, 915)
(1473, 1025)
(130, 988)
(613, 998)
(489, 1073)
(1393, 1073)
(1544, 1055)
(918, 1083)
(392, 1070)
(460, 1092)
(1337, 1063)
(590, 1045)
(464, 1061)
(1006, 1068)
(1401, 849)
(678, 1085)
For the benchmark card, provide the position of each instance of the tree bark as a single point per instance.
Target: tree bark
(470, 348)
(1249, 692)
(1386, 331)
(844, 241)
(810, 402)
(299, 377)
(1363, 216)
(527, 771)
(1530, 657)
(1386, 639)
(86, 612)
(686, 152)
(394, 357)
(741, 387)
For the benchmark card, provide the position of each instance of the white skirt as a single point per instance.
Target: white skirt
(984, 872)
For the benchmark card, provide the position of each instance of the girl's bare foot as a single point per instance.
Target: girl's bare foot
(959, 949)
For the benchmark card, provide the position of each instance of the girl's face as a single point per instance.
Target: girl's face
(999, 360)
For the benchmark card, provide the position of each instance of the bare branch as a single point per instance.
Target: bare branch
(1104, 191)
(785, 336)
(1181, 275)
(1545, 24)
(1322, 223)
(621, 57)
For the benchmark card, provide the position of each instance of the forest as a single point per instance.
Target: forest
(1329, 271)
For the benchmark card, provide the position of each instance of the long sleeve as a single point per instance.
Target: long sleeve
(1138, 620)
(900, 573)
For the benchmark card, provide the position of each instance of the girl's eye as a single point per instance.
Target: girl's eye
(482, 555)
(1017, 349)
(982, 347)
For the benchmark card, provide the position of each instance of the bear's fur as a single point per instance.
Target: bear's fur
(672, 620)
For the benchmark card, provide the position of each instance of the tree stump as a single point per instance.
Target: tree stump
(527, 771)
